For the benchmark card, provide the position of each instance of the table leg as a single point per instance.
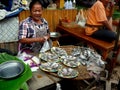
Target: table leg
(92, 83)
(105, 54)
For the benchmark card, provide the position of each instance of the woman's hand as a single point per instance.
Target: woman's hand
(47, 37)
(44, 38)
(40, 39)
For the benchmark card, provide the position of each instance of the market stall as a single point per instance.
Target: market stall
(64, 62)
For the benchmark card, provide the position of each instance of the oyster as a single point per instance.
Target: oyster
(50, 66)
(67, 73)
(71, 61)
(76, 51)
(59, 51)
(46, 56)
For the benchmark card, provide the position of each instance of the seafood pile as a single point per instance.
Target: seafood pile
(67, 73)
(90, 58)
(50, 66)
(47, 56)
(87, 55)
(59, 51)
(70, 61)
(58, 60)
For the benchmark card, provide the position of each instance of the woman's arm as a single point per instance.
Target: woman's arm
(106, 23)
(109, 13)
(47, 36)
(31, 40)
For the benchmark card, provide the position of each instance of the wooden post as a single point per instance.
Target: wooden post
(60, 4)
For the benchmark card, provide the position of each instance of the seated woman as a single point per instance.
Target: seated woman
(98, 25)
(34, 30)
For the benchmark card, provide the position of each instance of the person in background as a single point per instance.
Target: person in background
(98, 25)
(34, 30)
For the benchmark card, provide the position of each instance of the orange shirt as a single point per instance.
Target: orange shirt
(95, 15)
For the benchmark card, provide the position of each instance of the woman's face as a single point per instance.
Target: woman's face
(36, 12)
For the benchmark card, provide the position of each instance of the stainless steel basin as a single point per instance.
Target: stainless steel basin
(55, 34)
(11, 69)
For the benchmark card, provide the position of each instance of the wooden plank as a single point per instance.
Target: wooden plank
(77, 32)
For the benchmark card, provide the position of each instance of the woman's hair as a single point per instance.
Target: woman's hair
(33, 2)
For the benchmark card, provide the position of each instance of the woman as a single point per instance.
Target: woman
(98, 25)
(34, 30)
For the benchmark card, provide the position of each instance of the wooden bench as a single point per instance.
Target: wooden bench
(79, 33)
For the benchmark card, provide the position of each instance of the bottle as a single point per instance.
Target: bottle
(61, 3)
(66, 5)
(74, 4)
(70, 5)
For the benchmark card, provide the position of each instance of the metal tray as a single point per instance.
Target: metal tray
(11, 69)
(55, 34)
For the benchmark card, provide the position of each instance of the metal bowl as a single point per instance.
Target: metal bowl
(55, 34)
(11, 69)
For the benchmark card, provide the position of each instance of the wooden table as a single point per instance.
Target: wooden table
(43, 79)
(83, 73)
(82, 69)
(54, 78)
(79, 33)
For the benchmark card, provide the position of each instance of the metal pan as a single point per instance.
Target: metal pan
(11, 69)
(55, 34)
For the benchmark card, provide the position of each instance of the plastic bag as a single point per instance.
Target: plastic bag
(45, 46)
(80, 18)
(58, 86)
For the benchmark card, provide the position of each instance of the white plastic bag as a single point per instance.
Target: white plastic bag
(45, 46)
(80, 18)
(58, 86)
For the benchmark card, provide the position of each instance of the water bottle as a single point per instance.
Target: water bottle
(66, 5)
(74, 4)
(70, 4)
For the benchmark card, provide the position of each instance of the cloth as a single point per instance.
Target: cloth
(7, 3)
(13, 13)
(46, 46)
(2, 14)
(29, 29)
(7, 14)
(95, 15)
(15, 83)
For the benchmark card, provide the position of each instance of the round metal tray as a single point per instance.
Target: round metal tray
(11, 69)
